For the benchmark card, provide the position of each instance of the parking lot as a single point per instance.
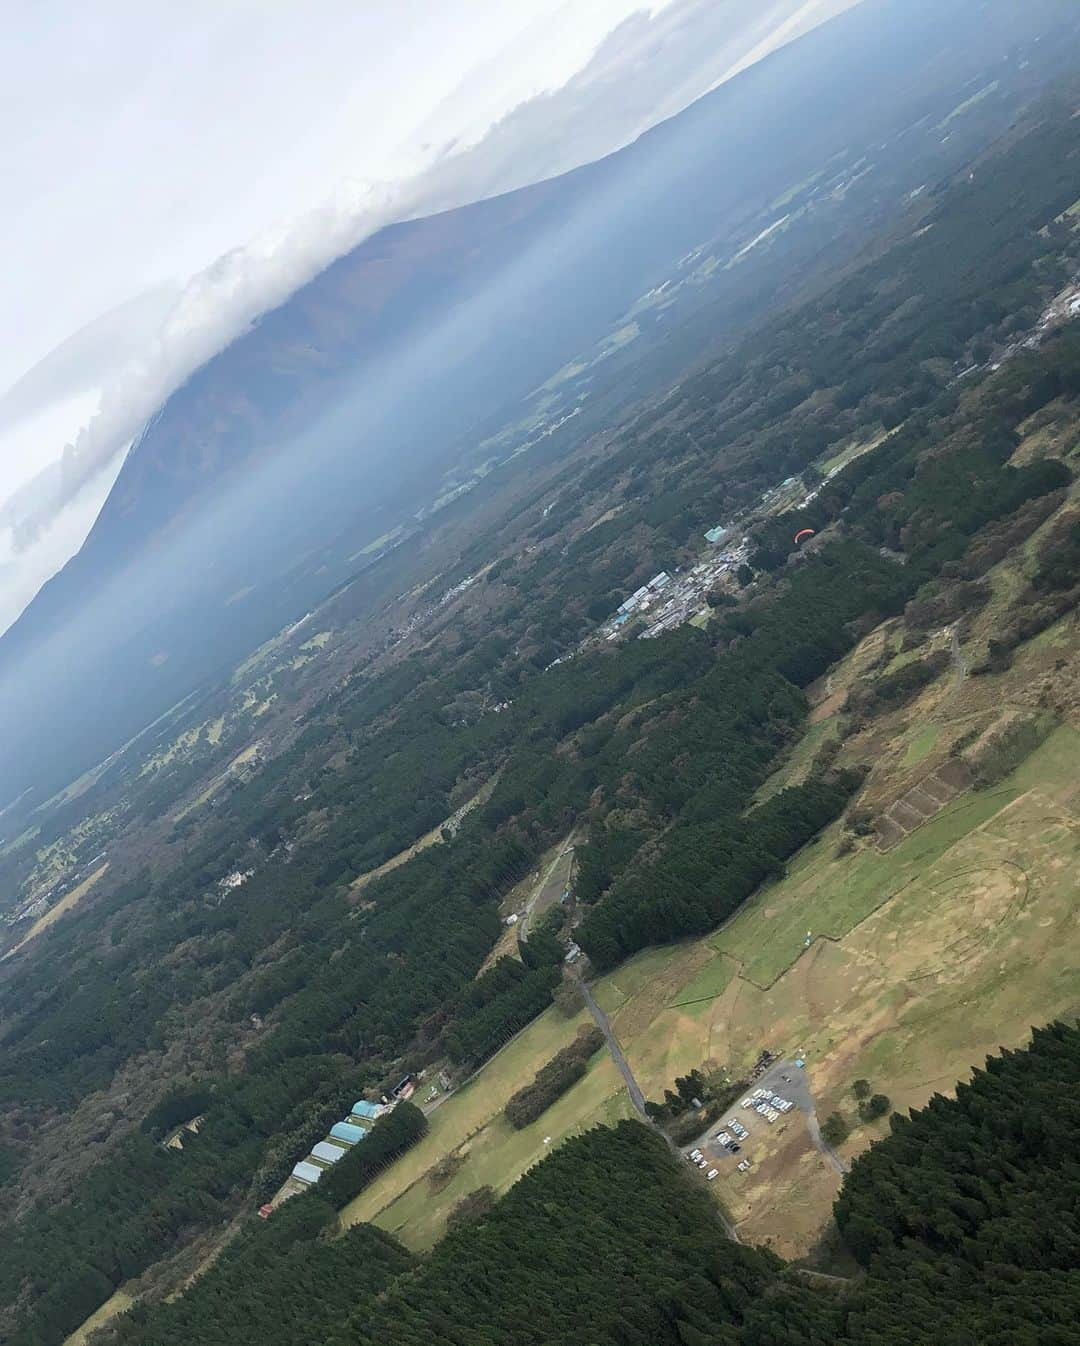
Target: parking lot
(734, 1141)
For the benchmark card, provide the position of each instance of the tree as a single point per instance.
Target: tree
(744, 575)
(834, 1130)
(873, 1108)
(861, 1088)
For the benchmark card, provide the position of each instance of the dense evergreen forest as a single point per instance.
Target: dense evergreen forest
(966, 1220)
(656, 749)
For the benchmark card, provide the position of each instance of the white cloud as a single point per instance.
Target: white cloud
(563, 84)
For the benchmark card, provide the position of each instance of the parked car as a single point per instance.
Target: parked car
(711, 1174)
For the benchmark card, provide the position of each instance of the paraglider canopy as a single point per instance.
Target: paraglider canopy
(802, 534)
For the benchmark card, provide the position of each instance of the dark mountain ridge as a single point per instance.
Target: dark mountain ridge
(347, 410)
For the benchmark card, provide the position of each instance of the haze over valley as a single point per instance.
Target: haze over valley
(539, 703)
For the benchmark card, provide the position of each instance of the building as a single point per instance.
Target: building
(305, 1172)
(348, 1132)
(369, 1111)
(405, 1088)
(327, 1152)
(716, 534)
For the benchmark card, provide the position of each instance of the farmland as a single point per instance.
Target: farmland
(904, 966)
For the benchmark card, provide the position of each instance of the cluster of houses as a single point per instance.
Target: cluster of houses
(641, 600)
(667, 601)
(344, 1135)
(687, 595)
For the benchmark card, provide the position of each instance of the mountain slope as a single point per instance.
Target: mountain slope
(353, 408)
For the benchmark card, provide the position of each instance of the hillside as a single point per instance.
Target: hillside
(269, 478)
(816, 772)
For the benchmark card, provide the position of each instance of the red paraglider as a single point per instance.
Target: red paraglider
(803, 533)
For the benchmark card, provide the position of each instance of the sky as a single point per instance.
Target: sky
(172, 171)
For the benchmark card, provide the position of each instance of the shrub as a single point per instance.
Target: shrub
(834, 1129)
(874, 1107)
(553, 1080)
(472, 1208)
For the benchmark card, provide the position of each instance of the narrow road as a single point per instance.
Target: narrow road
(541, 886)
(957, 656)
(637, 1098)
(786, 1079)
(822, 1145)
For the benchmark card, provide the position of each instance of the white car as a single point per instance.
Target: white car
(711, 1174)
(744, 1164)
(758, 1093)
(722, 1138)
(747, 1103)
(703, 1162)
(694, 1156)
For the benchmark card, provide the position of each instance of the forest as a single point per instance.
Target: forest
(965, 1220)
(655, 749)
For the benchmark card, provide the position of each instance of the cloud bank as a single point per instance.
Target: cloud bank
(648, 67)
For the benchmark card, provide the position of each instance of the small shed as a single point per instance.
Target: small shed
(327, 1152)
(362, 1108)
(309, 1173)
(348, 1132)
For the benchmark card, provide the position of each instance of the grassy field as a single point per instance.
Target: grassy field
(905, 967)
(401, 1198)
(922, 961)
(67, 903)
(119, 1303)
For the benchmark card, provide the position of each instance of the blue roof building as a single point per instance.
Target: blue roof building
(309, 1173)
(365, 1109)
(327, 1152)
(347, 1132)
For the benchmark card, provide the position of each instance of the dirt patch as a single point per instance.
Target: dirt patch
(888, 832)
(955, 774)
(922, 802)
(824, 710)
(638, 1013)
(779, 1201)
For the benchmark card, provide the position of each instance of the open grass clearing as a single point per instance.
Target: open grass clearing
(467, 1111)
(67, 903)
(921, 961)
(119, 1302)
